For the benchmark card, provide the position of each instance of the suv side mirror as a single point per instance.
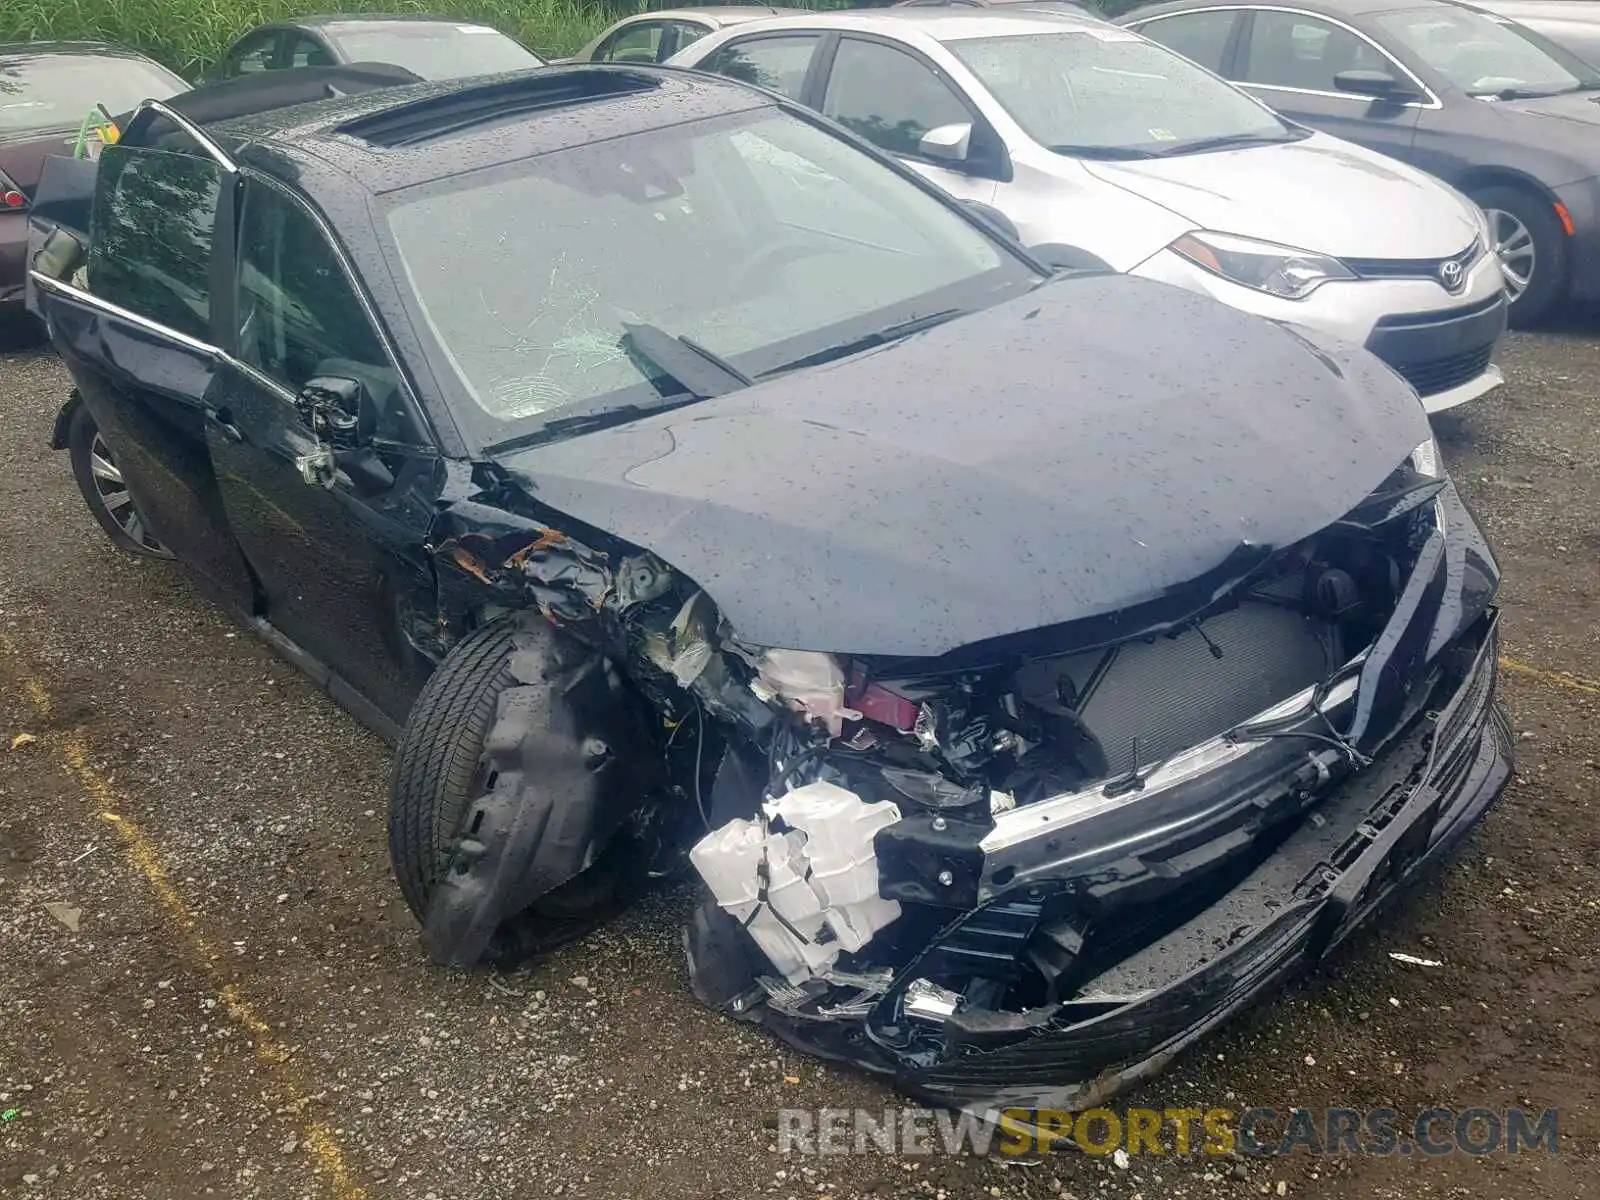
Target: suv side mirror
(1380, 85)
(338, 410)
(947, 143)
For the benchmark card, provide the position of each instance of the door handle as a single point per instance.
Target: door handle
(223, 420)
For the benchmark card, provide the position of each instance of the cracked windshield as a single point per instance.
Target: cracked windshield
(741, 245)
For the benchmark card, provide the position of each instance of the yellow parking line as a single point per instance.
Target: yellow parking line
(1558, 678)
(329, 1155)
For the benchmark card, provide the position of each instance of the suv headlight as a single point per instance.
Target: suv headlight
(1264, 266)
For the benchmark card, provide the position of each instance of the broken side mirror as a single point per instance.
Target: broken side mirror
(947, 143)
(340, 412)
(337, 410)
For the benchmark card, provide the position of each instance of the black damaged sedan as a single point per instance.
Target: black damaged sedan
(1032, 668)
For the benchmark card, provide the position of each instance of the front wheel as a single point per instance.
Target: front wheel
(453, 756)
(104, 490)
(1528, 239)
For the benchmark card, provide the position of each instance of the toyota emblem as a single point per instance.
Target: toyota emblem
(1450, 274)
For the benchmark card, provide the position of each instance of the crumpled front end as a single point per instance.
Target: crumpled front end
(1023, 872)
(1028, 873)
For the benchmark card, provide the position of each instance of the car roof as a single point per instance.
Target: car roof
(465, 125)
(1332, 8)
(71, 49)
(347, 20)
(941, 24)
(1552, 10)
(719, 14)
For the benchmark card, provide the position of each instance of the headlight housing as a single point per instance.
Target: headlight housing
(1265, 266)
(1426, 459)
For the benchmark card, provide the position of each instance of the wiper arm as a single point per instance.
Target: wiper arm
(1227, 141)
(588, 422)
(1110, 153)
(1520, 93)
(879, 337)
(699, 371)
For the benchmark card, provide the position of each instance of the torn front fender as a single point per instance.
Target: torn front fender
(564, 767)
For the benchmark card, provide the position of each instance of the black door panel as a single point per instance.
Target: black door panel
(338, 569)
(341, 568)
(144, 377)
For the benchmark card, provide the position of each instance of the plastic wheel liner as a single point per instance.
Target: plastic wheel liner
(566, 763)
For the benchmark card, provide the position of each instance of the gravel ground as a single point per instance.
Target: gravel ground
(210, 987)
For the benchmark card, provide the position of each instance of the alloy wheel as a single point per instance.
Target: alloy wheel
(114, 497)
(1513, 246)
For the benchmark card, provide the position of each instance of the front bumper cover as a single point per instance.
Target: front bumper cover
(1374, 832)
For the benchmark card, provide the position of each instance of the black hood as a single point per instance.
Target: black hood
(1070, 453)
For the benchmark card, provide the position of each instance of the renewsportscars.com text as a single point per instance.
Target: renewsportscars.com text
(1179, 1131)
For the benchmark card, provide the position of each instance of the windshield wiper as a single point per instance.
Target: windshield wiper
(701, 372)
(697, 373)
(1520, 93)
(879, 337)
(1229, 141)
(1111, 153)
(588, 422)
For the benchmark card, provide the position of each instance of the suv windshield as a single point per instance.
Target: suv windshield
(40, 92)
(433, 50)
(744, 245)
(1486, 55)
(1108, 93)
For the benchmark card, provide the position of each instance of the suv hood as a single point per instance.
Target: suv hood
(1067, 454)
(1314, 194)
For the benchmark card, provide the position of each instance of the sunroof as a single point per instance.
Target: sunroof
(440, 116)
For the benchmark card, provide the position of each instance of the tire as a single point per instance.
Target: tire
(440, 769)
(1549, 265)
(107, 496)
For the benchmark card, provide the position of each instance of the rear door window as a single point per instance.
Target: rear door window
(1201, 37)
(779, 64)
(254, 54)
(889, 97)
(307, 52)
(639, 43)
(151, 234)
(684, 33)
(1291, 50)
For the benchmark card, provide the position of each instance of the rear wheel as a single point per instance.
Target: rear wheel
(100, 480)
(441, 768)
(1531, 245)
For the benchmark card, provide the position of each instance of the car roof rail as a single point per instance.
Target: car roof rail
(536, 90)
